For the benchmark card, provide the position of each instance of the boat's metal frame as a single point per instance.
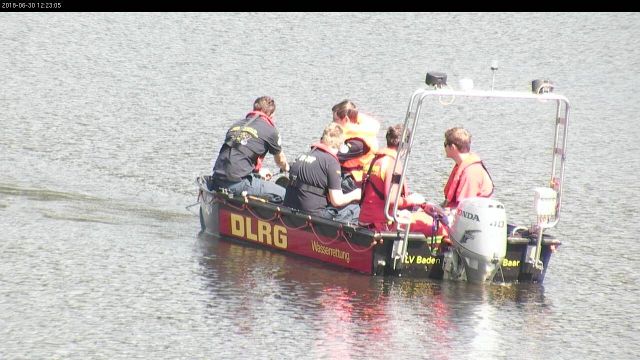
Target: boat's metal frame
(528, 251)
(412, 117)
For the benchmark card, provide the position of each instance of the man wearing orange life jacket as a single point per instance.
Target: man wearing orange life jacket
(361, 142)
(469, 177)
(378, 187)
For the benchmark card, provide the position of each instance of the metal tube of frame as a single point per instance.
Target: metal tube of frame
(555, 140)
(564, 154)
(403, 152)
(415, 114)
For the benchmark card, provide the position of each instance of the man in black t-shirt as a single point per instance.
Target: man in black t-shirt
(315, 179)
(245, 146)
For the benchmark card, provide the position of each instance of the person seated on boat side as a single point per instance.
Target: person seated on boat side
(378, 187)
(469, 177)
(361, 142)
(314, 185)
(246, 143)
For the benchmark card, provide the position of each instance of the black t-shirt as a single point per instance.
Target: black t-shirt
(318, 169)
(243, 146)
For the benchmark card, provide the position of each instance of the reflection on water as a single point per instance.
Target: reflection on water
(78, 207)
(100, 146)
(357, 313)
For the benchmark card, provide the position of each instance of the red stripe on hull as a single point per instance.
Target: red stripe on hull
(274, 234)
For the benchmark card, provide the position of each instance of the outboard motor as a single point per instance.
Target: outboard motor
(480, 237)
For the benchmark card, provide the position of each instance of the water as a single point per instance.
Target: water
(107, 118)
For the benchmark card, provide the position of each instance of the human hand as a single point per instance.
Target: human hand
(416, 199)
(404, 216)
(265, 174)
(446, 214)
(434, 209)
(357, 193)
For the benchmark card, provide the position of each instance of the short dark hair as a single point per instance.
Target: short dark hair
(346, 108)
(394, 135)
(459, 137)
(266, 104)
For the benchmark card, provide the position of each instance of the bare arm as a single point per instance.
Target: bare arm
(337, 198)
(281, 161)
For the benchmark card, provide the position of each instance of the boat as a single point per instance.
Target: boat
(484, 247)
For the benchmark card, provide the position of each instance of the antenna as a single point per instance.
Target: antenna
(494, 68)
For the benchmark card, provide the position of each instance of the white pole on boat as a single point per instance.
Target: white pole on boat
(494, 68)
(400, 247)
(544, 202)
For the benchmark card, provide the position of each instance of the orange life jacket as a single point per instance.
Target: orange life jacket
(366, 129)
(375, 192)
(453, 183)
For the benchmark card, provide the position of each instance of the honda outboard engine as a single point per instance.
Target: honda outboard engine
(480, 237)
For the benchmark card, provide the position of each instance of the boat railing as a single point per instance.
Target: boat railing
(322, 229)
(445, 96)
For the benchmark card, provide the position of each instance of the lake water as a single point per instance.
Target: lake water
(107, 118)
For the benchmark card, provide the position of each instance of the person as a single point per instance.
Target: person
(246, 143)
(314, 185)
(361, 142)
(378, 187)
(469, 177)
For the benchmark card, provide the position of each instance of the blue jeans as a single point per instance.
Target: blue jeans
(254, 186)
(348, 213)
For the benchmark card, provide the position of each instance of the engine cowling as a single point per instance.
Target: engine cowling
(479, 234)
